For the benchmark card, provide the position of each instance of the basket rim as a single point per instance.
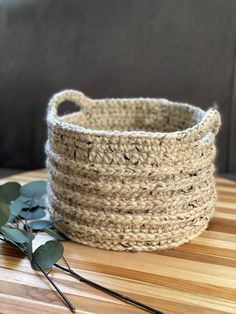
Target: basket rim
(207, 121)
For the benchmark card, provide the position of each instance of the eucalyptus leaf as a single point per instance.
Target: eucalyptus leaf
(21, 203)
(34, 189)
(9, 192)
(15, 208)
(4, 213)
(40, 224)
(47, 255)
(55, 234)
(27, 202)
(32, 214)
(31, 203)
(42, 203)
(21, 246)
(15, 235)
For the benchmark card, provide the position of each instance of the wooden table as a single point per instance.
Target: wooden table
(198, 277)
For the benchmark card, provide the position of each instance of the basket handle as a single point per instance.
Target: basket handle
(78, 98)
(211, 121)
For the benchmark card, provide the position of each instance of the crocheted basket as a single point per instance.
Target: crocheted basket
(131, 174)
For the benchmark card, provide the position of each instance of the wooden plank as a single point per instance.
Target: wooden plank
(197, 277)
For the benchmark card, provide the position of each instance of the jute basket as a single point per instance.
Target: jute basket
(131, 174)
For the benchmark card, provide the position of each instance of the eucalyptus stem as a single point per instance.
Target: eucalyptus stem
(14, 227)
(108, 291)
(65, 299)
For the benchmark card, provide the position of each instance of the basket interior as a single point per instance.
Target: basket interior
(143, 115)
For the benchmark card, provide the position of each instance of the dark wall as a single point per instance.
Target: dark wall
(182, 50)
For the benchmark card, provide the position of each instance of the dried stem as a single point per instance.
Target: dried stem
(108, 291)
(65, 299)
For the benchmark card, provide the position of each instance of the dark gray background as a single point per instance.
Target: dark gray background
(183, 50)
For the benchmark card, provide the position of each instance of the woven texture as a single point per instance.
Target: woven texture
(131, 174)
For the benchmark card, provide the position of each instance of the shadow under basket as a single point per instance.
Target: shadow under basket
(131, 174)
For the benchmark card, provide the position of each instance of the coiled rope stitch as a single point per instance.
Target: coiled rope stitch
(131, 174)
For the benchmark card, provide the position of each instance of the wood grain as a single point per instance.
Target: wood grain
(198, 277)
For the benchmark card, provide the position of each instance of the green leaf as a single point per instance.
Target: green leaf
(30, 203)
(20, 246)
(9, 192)
(32, 214)
(27, 203)
(22, 203)
(15, 208)
(40, 224)
(56, 234)
(47, 254)
(15, 235)
(34, 189)
(42, 203)
(4, 213)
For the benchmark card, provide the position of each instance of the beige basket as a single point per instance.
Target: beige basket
(131, 174)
